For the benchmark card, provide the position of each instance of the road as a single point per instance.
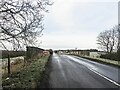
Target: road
(75, 72)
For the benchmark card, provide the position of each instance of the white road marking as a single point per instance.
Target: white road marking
(105, 77)
(78, 61)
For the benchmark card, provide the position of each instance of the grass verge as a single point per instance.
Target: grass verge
(27, 78)
(101, 60)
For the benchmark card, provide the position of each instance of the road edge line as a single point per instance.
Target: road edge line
(112, 81)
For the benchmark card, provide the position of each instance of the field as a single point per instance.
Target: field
(16, 63)
(16, 60)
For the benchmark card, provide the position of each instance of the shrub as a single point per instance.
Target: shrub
(118, 54)
(111, 56)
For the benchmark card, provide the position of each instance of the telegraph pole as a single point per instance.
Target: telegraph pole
(119, 25)
(119, 36)
(118, 51)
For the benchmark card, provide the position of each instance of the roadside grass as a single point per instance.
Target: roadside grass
(102, 60)
(28, 77)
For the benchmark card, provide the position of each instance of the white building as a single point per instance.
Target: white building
(96, 54)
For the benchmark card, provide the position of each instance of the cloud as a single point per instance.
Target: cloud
(69, 41)
(61, 12)
(76, 23)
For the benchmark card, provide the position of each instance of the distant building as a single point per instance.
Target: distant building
(46, 52)
(97, 54)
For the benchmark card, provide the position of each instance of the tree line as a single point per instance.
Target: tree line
(109, 41)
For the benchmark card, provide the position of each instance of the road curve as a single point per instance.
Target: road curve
(74, 72)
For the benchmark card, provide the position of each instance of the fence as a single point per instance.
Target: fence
(12, 63)
(15, 63)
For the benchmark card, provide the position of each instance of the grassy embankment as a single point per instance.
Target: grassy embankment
(27, 77)
(102, 60)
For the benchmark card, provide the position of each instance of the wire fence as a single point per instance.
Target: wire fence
(15, 63)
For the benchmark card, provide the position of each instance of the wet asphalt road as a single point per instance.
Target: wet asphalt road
(74, 72)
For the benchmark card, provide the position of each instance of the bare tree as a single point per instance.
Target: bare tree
(108, 40)
(118, 51)
(21, 21)
(103, 40)
(113, 39)
(118, 46)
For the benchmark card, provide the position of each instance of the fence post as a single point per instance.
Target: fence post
(8, 65)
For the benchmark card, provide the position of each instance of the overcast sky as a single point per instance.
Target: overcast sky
(76, 23)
